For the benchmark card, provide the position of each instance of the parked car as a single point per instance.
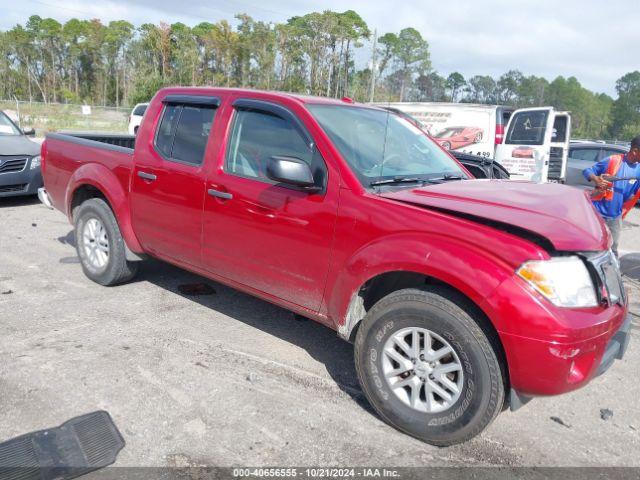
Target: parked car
(19, 160)
(584, 155)
(462, 296)
(136, 117)
(453, 138)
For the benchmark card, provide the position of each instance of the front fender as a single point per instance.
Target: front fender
(102, 178)
(474, 271)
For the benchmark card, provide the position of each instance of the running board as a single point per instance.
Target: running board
(76, 447)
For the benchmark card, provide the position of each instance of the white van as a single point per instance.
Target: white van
(536, 145)
(530, 143)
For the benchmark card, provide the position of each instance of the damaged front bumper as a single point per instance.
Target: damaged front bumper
(615, 350)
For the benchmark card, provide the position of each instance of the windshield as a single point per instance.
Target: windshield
(379, 145)
(6, 126)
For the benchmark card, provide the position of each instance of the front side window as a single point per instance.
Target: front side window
(528, 128)
(379, 145)
(7, 127)
(258, 135)
(183, 133)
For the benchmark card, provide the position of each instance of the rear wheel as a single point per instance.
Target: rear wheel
(446, 145)
(428, 368)
(100, 245)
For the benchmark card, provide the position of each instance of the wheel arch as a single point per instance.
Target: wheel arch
(96, 181)
(383, 284)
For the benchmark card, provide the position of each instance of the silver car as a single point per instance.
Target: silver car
(585, 155)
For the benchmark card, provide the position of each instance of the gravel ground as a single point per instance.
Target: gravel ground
(225, 379)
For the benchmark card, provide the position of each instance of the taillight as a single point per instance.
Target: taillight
(499, 133)
(43, 156)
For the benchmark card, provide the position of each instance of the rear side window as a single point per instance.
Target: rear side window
(256, 136)
(588, 154)
(528, 128)
(183, 133)
(139, 110)
(608, 153)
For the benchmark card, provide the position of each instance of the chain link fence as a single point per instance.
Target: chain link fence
(51, 117)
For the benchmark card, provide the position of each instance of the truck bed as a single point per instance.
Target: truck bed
(69, 157)
(115, 139)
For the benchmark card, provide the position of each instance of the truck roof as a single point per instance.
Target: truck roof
(306, 99)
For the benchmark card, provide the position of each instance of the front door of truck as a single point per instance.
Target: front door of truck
(168, 183)
(525, 151)
(266, 236)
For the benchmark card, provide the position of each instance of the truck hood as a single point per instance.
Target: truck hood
(18, 145)
(560, 214)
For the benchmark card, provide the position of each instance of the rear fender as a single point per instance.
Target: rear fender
(469, 269)
(100, 177)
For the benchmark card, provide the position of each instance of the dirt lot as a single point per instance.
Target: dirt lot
(225, 379)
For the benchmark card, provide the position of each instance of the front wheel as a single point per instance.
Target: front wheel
(100, 245)
(428, 368)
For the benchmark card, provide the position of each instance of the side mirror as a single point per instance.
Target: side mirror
(290, 171)
(29, 132)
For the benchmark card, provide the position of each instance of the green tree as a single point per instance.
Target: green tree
(625, 114)
(455, 84)
(430, 87)
(412, 55)
(481, 89)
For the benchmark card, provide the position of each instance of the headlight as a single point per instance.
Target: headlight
(565, 281)
(35, 162)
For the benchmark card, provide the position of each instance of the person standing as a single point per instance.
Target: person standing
(614, 199)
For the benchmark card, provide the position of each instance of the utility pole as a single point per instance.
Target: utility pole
(373, 66)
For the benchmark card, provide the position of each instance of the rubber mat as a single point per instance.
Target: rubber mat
(76, 447)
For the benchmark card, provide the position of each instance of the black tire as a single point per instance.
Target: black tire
(135, 130)
(446, 145)
(117, 269)
(482, 382)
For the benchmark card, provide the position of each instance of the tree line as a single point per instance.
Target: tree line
(119, 64)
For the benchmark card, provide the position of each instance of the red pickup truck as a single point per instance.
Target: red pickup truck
(463, 297)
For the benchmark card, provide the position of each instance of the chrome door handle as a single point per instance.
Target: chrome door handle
(219, 194)
(146, 176)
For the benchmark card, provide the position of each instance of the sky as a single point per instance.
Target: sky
(593, 40)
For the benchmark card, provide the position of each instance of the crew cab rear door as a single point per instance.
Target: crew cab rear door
(525, 151)
(168, 180)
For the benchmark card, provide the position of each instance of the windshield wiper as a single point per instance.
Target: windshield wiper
(396, 180)
(449, 176)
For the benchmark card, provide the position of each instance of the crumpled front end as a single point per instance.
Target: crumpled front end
(552, 350)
